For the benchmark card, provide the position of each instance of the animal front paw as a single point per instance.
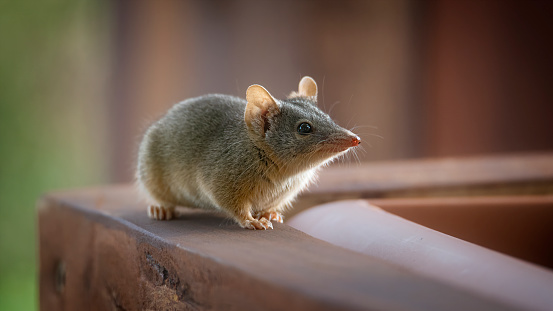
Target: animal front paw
(161, 212)
(269, 216)
(257, 224)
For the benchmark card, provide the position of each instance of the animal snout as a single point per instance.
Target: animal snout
(355, 140)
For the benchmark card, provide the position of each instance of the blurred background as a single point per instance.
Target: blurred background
(80, 81)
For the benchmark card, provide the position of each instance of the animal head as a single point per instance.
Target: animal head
(295, 131)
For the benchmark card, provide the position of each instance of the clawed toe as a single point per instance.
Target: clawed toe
(258, 224)
(270, 216)
(160, 212)
(277, 216)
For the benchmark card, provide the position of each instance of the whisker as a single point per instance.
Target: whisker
(350, 119)
(375, 135)
(350, 98)
(362, 149)
(357, 156)
(367, 144)
(332, 107)
(237, 86)
(364, 126)
(323, 91)
(364, 139)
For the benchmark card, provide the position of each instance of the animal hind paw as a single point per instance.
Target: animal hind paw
(161, 212)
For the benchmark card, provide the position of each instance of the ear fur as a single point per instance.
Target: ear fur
(306, 88)
(260, 108)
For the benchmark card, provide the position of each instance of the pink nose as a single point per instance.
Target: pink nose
(355, 141)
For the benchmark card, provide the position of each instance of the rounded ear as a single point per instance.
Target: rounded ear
(307, 87)
(260, 109)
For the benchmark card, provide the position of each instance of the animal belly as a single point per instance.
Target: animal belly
(196, 195)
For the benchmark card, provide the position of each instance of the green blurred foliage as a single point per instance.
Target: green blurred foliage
(52, 54)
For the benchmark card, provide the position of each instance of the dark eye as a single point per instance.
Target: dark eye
(305, 128)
